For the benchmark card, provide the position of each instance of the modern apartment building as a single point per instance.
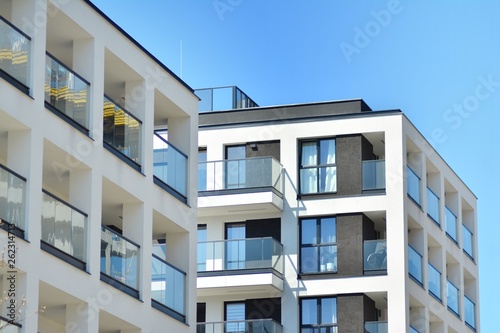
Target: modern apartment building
(329, 217)
(98, 144)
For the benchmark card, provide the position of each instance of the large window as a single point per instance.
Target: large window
(236, 168)
(318, 171)
(318, 245)
(318, 315)
(201, 261)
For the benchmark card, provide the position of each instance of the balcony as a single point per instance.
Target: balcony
(375, 257)
(239, 185)
(122, 133)
(243, 326)
(373, 176)
(223, 98)
(433, 206)
(434, 277)
(67, 94)
(119, 262)
(15, 53)
(253, 263)
(376, 327)
(450, 221)
(64, 230)
(170, 168)
(12, 201)
(168, 289)
(467, 238)
(415, 265)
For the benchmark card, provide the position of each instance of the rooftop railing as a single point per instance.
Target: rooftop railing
(373, 175)
(250, 326)
(242, 174)
(119, 258)
(250, 253)
(122, 132)
(15, 52)
(12, 198)
(170, 165)
(168, 286)
(223, 98)
(66, 92)
(64, 227)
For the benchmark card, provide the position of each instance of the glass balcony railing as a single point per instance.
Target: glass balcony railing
(67, 92)
(15, 50)
(470, 312)
(12, 198)
(64, 227)
(250, 253)
(467, 241)
(119, 258)
(415, 265)
(223, 98)
(450, 221)
(376, 327)
(413, 185)
(433, 206)
(434, 277)
(375, 255)
(413, 330)
(373, 175)
(452, 293)
(242, 174)
(243, 326)
(122, 131)
(7, 326)
(170, 165)
(168, 285)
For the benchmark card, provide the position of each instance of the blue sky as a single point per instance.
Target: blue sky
(436, 61)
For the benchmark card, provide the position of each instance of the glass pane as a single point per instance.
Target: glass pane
(48, 219)
(433, 205)
(373, 175)
(327, 151)
(434, 281)
(375, 255)
(413, 185)
(328, 255)
(16, 198)
(79, 235)
(16, 50)
(415, 264)
(309, 312)
(309, 180)
(328, 230)
(467, 240)
(308, 231)
(470, 312)
(328, 179)
(63, 228)
(235, 312)
(309, 259)
(309, 154)
(452, 297)
(450, 221)
(202, 170)
(328, 311)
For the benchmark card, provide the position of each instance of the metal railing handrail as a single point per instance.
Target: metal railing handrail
(64, 202)
(14, 27)
(66, 67)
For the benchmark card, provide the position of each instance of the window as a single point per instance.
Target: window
(236, 167)
(202, 248)
(202, 169)
(318, 171)
(318, 245)
(235, 316)
(413, 185)
(316, 312)
(235, 246)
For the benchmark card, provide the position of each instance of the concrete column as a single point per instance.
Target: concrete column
(30, 289)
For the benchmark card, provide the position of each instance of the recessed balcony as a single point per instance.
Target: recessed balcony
(375, 257)
(240, 185)
(15, 52)
(253, 264)
(373, 176)
(12, 202)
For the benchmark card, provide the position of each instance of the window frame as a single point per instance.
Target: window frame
(319, 313)
(317, 166)
(317, 245)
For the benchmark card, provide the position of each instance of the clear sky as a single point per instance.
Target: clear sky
(437, 61)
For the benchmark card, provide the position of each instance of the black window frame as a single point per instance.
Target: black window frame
(319, 314)
(317, 166)
(317, 244)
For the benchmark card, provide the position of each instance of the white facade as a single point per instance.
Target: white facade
(94, 161)
(401, 300)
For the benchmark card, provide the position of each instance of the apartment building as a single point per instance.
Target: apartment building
(98, 144)
(329, 217)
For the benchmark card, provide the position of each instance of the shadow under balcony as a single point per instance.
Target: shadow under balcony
(240, 185)
(252, 265)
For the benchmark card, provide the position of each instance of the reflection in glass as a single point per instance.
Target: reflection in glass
(318, 246)
(452, 297)
(467, 241)
(415, 264)
(434, 281)
(375, 255)
(376, 327)
(169, 165)
(66, 92)
(318, 173)
(168, 285)
(15, 49)
(450, 221)
(119, 258)
(413, 185)
(433, 206)
(64, 227)
(373, 175)
(12, 198)
(470, 312)
(122, 131)
(250, 326)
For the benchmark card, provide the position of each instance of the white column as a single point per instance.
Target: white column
(81, 318)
